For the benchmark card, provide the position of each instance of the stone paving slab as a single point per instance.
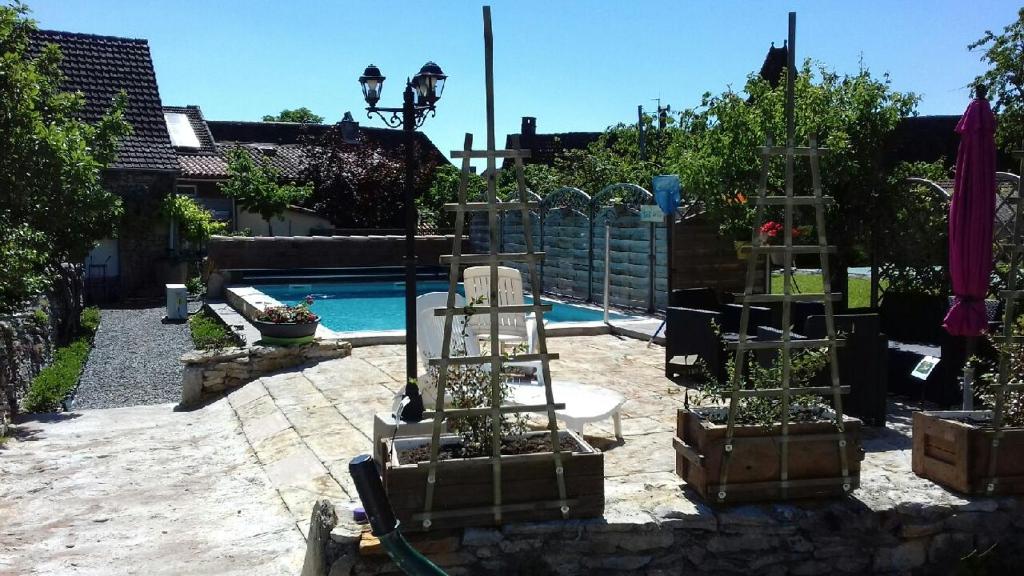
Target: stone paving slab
(141, 490)
(330, 408)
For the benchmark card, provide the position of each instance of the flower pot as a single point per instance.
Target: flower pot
(742, 249)
(290, 331)
(464, 493)
(814, 463)
(954, 449)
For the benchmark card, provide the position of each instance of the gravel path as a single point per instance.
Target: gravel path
(135, 360)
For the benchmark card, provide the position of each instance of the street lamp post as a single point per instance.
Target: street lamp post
(418, 101)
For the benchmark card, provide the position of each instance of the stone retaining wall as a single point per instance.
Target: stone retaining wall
(209, 372)
(26, 347)
(843, 537)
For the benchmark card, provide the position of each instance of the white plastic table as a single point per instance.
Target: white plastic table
(583, 402)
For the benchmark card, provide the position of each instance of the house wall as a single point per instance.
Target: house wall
(145, 261)
(291, 223)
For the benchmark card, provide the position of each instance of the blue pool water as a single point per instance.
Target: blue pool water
(363, 306)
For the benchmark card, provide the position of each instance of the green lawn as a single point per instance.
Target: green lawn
(860, 288)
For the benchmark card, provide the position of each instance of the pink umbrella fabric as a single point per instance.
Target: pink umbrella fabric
(971, 213)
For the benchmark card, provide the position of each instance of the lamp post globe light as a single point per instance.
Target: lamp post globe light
(418, 102)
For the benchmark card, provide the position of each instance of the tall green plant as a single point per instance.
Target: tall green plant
(256, 186)
(195, 223)
(53, 207)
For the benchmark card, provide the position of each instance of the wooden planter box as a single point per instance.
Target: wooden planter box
(814, 468)
(464, 493)
(955, 453)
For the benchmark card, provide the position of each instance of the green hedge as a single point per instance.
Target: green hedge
(56, 381)
(208, 333)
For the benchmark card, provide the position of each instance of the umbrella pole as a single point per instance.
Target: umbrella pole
(969, 373)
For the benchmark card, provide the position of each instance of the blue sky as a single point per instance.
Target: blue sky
(574, 65)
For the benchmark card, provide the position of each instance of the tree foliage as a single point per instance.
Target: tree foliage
(361, 185)
(300, 115)
(53, 207)
(195, 223)
(1004, 54)
(257, 186)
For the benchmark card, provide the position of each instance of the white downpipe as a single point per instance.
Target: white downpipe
(607, 267)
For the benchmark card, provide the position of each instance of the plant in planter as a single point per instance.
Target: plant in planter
(773, 233)
(752, 461)
(957, 448)
(465, 479)
(287, 324)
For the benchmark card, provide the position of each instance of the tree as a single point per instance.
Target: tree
(300, 115)
(361, 185)
(53, 207)
(256, 186)
(1005, 79)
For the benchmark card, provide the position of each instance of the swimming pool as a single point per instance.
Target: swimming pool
(374, 306)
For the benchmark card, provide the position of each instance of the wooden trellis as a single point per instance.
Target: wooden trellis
(493, 357)
(785, 345)
(1013, 293)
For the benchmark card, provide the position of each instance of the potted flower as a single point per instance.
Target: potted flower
(772, 233)
(814, 468)
(287, 322)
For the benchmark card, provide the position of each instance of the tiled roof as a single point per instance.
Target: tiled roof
(99, 67)
(198, 123)
(280, 143)
(205, 161)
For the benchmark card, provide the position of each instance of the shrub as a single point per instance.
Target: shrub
(208, 333)
(40, 318)
(57, 380)
(195, 223)
(90, 320)
(195, 286)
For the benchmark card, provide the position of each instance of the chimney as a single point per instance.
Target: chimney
(528, 132)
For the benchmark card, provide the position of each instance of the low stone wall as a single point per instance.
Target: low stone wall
(27, 342)
(843, 537)
(209, 372)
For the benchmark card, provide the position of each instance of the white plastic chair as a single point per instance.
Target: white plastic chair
(584, 403)
(513, 327)
(430, 339)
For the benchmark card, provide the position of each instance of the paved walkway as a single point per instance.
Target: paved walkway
(305, 426)
(134, 360)
(141, 490)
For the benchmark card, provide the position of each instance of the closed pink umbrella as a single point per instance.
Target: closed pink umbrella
(971, 213)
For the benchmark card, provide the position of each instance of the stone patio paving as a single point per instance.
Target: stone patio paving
(305, 426)
(140, 490)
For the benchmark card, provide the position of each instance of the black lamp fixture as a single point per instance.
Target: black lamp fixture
(418, 102)
(373, 82)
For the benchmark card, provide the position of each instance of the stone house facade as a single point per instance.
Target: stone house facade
(99, 67)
